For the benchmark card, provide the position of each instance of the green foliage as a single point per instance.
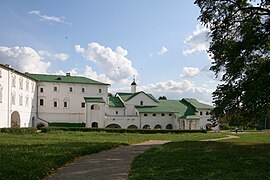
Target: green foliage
(66, 124)
(111, 130)
(240, 33)
(244, 158)
(18, 130)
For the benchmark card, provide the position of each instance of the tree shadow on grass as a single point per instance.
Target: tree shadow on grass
(35, 161)
(204, 160)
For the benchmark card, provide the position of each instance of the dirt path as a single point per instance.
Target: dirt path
(113, 164)
(218, 139)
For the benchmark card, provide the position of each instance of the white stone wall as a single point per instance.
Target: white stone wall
(73, 112)
(123, 121)
(153, 121)
(18, 96)
(136, 101)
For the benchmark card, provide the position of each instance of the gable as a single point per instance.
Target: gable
(136, 99)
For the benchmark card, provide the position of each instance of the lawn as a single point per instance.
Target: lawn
(243, 158)
(34, 156)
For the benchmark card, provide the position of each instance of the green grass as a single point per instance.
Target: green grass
(244, 158)
(33, 156)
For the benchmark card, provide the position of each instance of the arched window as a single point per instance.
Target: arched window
(154, 114)
(94, 125)
(115, 126)
(170, 114)
(132, 127)
(145, 114)
(41, 102)
(146, 126)
(158, 126)
(162, 114)
(95, 107)
(169, 126)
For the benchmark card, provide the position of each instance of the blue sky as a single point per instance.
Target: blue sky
(159, 42)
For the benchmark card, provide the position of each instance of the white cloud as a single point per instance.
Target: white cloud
(162, 51)
(114, 64)
(24, 59)
(60, 56)
(190, 71)
(88, 72)
(197, 42)
(44, 17)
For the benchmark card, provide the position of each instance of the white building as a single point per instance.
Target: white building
(34, 100)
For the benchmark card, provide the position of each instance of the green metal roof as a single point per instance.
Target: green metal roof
(64, 79)
(180, 110)
(169, 106)
(115, 102)
(127, 96)
(196, 104)
(94, 100)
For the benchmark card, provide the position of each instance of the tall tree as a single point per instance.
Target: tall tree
(240, 48)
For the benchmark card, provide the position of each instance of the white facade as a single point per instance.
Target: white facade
(31, 100)
(17, 99)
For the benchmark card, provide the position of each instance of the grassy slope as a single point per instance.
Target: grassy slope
(244, 158)
(37, 155)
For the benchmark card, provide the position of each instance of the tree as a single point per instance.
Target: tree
(240, 49)
(162, 98)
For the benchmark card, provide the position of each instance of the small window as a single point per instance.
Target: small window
(55, 104)
(83, 104)
(41, 90)
(27, 85)
(70, 89)
(20, 100)
(162, 114)
(65, 104)
(201, 113)
(154, 114)
(83, 90)
(116, 112)
(41, 102)
(170, 114)
(207, 113)
(55, 88)
(99, 90)
(145, 114)
(141, 103)
(21, 83)
(14, 81)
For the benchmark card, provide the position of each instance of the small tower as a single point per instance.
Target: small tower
(133, 86)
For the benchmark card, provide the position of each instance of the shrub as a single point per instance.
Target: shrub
(18, 130)
(140, 131)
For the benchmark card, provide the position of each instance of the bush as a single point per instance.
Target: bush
(140, 131)
(19, 130)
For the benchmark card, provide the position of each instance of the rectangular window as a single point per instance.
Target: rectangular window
(83, 90)
(14, 81)
(55, 88)
(41, 102)
(83, 104)
(141, 103)
(21, 83)
(41, 90)
(55, 104)
(26, 101)
(20, 100)
(27, 86)
(100, 91)
(70, 89)
(65, 104)
(13, 99)
(116, 112)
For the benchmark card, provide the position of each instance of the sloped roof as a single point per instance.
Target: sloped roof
(195, 103)
(127, 96)
(94, 100)
(115, 102)
(64, 79)
(169, 106)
